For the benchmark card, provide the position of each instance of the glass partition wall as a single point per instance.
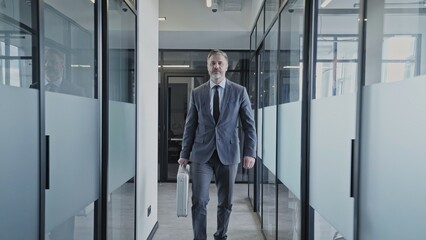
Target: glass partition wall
(393, 114)
(122, 121)
(328, 138)
(71, 118)
(349, 116)
(50, 124)
(19, 122)
(289, 119)
(333, 119)
(279, 121)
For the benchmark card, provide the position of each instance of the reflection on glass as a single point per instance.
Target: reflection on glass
(74, 219)
(57, 24)
(15, 53)
(394, 43)
(69, 53)
(55, 78)
(337, 44)
(122, 121)
(325, 48)
(290, 55)
(346, 48)
(17, 10)
(336, 66)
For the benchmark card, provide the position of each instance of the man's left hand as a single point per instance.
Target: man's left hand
(248, 162)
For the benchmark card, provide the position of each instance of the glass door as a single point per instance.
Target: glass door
(179, 90)
(19, 123)
(122, 121)
(71, 118)
(333, 120)
(289, 126)
(393, 136)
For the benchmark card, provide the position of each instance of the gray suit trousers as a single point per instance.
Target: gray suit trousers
(202, 174)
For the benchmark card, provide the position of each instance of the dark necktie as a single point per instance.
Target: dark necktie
(216, 104)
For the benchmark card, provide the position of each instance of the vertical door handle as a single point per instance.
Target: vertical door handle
(352, 167)
(47, 162)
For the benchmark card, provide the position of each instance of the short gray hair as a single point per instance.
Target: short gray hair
(217, 51)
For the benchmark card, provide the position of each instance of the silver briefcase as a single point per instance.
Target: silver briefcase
(182, 191)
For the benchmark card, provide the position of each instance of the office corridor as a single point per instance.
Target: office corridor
(244, 223)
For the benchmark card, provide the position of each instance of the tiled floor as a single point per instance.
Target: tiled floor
(244, 222)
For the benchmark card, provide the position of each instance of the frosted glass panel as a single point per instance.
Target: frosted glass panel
(392, 181)
(269, 138)
(122, 130)
(19, 185)
(289, 138)
(72, 124)
(332, 129)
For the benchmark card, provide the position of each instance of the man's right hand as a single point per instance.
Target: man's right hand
(183, 161)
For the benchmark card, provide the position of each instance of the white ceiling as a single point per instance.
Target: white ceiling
(193, 15)
(191, 25)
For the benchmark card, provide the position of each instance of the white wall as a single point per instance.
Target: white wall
(147, 123)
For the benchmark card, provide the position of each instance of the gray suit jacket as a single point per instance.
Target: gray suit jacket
(202, 136)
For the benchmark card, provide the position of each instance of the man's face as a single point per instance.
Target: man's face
(217, 66)
(54, 68)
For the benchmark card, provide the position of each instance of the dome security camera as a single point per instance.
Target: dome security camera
(124, 7)
(215, 6)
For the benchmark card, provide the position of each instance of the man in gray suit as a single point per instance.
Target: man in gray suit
(211, 143)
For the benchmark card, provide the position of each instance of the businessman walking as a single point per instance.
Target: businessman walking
(211, 143)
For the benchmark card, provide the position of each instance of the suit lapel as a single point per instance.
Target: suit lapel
(206, 100)
(225, 100)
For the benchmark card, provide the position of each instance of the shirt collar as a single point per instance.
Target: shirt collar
(221, 84)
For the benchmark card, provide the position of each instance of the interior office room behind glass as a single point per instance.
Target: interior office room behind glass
(50, 100)
(340, 115)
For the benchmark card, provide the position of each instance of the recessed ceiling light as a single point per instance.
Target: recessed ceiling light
(291, 67)
(175, 66)
(162, 19)
(209, 3)
(325, 3)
